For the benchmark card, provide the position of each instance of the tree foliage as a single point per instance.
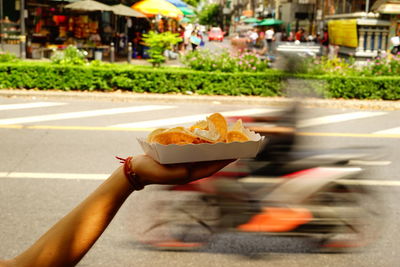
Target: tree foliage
(194, 3)
(210, 15)
(158, 43)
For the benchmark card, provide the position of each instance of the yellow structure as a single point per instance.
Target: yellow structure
(343, 32)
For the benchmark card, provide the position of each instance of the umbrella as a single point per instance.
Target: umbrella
(270, 22)
(178, 3)
(251, 20)
(89, 5)
(123, 10)
(155, 7)
(187, 11)
(184, 20)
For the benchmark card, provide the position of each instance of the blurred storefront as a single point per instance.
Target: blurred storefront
(50, 25)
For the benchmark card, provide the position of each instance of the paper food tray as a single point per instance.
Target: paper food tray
(168, 154)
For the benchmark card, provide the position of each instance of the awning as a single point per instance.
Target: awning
(386, 6)
(178, 3)
(187, 11)
(158, 7)
(251, 20)
(185, 20)
(270, 22)
(89, 5)
(123, 10)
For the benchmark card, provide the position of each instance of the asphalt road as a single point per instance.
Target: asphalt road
(55, 154)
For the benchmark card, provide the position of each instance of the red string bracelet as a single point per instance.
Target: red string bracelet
(132, 177)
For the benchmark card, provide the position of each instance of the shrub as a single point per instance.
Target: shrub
(8, 57)
(324, 65)
(179, 80)
(205, 60)
(137, 79)
(158, 43)
(71, 55)
(389, 66)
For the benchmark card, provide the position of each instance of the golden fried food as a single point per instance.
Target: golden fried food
(154, 133)
(236, 136)
(220, 124)
(178, 138)
(212, 130)
(202, 125)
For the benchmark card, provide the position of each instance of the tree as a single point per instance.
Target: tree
(194, 3)
(210, 15)
(158, 43)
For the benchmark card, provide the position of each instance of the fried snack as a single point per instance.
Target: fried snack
(154, 133)
(202, 125)
(220, 124)
(236, 136)
(236, 133)
(212, 130)
(178, 138)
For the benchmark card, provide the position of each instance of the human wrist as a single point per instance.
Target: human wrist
(136, 165)
(130, 174)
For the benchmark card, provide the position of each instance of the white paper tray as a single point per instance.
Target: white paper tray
(168, 154)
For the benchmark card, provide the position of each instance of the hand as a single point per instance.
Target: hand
(152, 172)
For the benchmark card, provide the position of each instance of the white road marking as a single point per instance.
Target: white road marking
(30, 105)
(389, 131)
(83, 114)
(67, 176)
(337, 118)
(103, 176)
(191, 119)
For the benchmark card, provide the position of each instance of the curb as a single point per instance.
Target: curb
(215, 99)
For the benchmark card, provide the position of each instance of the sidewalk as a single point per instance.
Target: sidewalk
(123, 96)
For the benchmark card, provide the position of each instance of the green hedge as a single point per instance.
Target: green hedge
(386, 88)
(137, 79)
(179, 80)
(351, 87)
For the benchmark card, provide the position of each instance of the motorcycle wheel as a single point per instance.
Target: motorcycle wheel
(359, 215)
(187, 223)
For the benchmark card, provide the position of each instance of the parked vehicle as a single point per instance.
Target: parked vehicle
(216, 34)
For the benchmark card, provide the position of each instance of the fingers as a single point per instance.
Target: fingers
(205, 169)
(151, 172)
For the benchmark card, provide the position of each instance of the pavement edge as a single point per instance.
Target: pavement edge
(215, 99)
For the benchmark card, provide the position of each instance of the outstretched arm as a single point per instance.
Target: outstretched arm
(68, 240)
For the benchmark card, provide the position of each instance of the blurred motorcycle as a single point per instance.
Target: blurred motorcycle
(286, 190)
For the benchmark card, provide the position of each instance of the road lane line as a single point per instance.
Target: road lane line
(30, 105)
(67, 176)
(83, 114)
(191, 119)
(337, 118)
(389, 131)
(103, 176)
(117, 129)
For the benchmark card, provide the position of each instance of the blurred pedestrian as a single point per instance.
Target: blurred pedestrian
(195, 39)
(291, 37)
(253, 36)
(181, 44)
(270, 38)
(325, 42)
(300, 35)
(395, 44)
(138, 46)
